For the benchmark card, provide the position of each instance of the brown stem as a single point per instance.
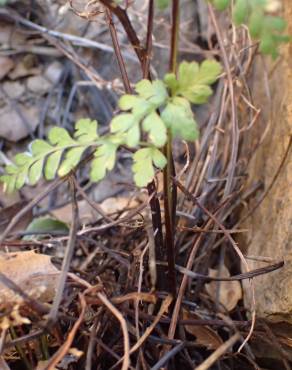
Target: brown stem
(174, 36)
(146, 67)
(169, 221)
(122, 15)
(144, 58)
(118, 52)
(170, 191)
(151, 187)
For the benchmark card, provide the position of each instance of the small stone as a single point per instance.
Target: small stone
(54, 71)
(12, 126)
(6, 64)
(38, 85)
(13, 89)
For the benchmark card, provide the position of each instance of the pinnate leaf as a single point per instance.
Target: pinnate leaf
(261, 25)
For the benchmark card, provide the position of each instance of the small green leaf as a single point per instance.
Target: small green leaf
(39, 147)
(221, 4)
(144, 88)
(154, 125)
(171, 82)
(20, 180)
(282, 38)
(275, 23)
(60, 136)
(98, 169)
(123, 122)
(155, 92)
(158, 158)
(191, 74)
(187, 73)
(143, 168)
(256, 22)
(139, 106)
(142, 109)
(208, 72)
(178, 117)
(143, 164)
(10, 184)
(133, 136)
(162, 4)
(240, 12)
(127, 101)
(194, 80)
(52, 164)
(45, 225)
(72, 158)
(198, 94)
(11, 169)
(268, 45)
(22, 159)
(105, 158)
(86, 130)
(35, 171)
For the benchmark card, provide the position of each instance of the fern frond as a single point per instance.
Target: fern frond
(259, 17)
(59, 155)
(172, 97)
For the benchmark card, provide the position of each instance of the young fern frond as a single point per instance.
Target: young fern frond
(59, 155)
(172, 97)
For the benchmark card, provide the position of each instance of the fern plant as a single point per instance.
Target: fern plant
(262, 25)
(257, 15)
(158, 108)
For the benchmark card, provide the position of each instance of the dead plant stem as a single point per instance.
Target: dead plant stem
(68, 256)
(168, 172)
